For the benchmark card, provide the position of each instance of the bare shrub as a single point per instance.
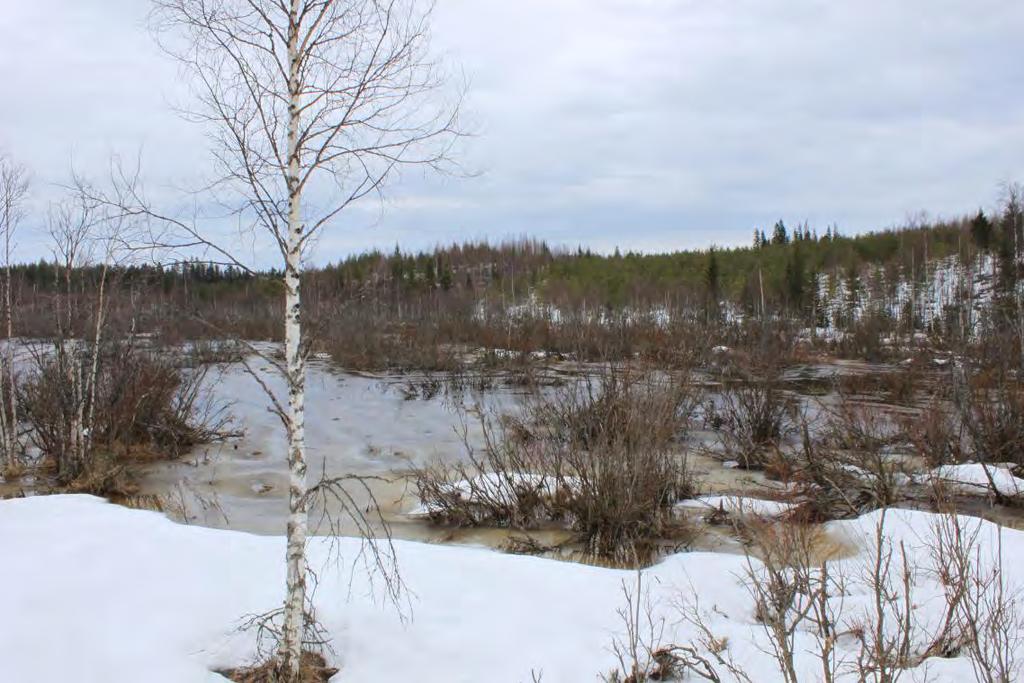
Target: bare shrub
(334, 500)
(597, 455)
(826, 489)
(212, 351)
(794, 589)
(707, 655)
(752, 418)
(984, 616)
(991, 405)
(864, 337)
(639, 650)
(886, 630)
(992, 617)
(899, 386)
(850, 467)
(862, 438)
(935, 434)
(870, 610)
(268, 628)
(361, 341)
(643, 655)
(141, 405)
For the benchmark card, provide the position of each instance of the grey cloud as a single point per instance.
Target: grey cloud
(643, 124)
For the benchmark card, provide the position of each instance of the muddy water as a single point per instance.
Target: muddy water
(356, 424)
(367, 425)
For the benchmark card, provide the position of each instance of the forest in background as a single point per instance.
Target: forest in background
(400, 310)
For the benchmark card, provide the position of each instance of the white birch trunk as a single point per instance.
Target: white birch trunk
(358, 77)
(88, 427)
(291, 643)
(12, 436)
(10, 429)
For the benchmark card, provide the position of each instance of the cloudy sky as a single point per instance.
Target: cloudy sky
(643, 124)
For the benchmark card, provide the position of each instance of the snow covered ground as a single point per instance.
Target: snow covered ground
(97, 592)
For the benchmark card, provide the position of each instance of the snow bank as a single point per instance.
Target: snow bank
(972, 478)
(103, 593)
(743, 505)
(96, 592)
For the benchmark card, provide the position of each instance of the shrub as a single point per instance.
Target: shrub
(850, 467)
(596, 455)
(936, 434)
(752, 417)
(991, 406)
(140, 404)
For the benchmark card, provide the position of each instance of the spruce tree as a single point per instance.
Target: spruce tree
(981, 231)
(779, 234)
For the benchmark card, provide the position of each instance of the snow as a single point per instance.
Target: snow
(743, 505)
(972, 478)
(500, 488)
(97, 592)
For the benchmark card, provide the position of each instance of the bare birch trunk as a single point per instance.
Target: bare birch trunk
(12, 430)
(88, 427)
(8, 421)
(291, 643)
(73, 375)
(7, 370)
(13, 190)
(350, 84)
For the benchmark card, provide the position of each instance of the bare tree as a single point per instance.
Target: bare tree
(70, 224)
(311, 106)
(82, 235)
(13, 192)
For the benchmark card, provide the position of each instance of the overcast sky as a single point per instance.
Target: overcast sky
(643, 124)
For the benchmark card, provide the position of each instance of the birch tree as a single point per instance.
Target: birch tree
(82, 234)
(13, 192)
(311, 106)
